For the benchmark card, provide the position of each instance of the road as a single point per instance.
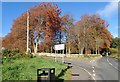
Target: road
(104, 68)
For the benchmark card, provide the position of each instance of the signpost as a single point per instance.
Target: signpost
(59, 47)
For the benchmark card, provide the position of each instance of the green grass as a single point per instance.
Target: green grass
(0, 73)
(26, 69)
(116, 56)
(115, 53)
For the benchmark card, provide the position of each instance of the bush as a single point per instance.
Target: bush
(25, 55)
(114, 50)
(5, 52)
(15, 53)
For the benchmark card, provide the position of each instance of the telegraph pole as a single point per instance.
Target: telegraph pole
(27, 32)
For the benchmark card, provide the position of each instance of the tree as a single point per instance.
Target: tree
(17, 37)
(47, 28)
(115, 42)
(67, 22)
(44, 22)
(79, 36)
(91, 31)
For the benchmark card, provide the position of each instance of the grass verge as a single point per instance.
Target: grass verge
(116, 56)
(26, 69)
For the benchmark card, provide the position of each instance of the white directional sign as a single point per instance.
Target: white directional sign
(59, 47)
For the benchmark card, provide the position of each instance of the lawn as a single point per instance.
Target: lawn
(26, 69)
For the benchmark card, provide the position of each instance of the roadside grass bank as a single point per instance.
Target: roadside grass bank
(0, 73)
(115, 53)
(116, 56)
(26, 68)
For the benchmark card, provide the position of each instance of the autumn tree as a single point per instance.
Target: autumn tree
(66, 23)
(47, 28)
(91, 33)
(17, 37)
(47, 21)
(44, 22)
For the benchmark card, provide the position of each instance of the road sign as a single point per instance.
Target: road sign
(59, 47)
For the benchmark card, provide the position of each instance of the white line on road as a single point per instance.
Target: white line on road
(86, 71)
(93, 74)
(93, 71)
(112, 65)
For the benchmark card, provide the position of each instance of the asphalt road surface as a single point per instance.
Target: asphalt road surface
(103, 69)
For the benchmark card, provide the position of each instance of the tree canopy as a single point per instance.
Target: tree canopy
(47, 27)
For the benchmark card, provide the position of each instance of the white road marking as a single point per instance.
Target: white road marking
(93, 61)
(86, 71)
(112, 65)
(93, 74)
(93, 71)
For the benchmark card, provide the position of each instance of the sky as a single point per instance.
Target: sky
(107, 10)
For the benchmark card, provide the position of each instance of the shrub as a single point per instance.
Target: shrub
(29, 55)
(114, 50)
(86, 56)
(15, 53)
(5, 53)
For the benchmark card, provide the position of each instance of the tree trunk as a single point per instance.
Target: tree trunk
(36, 47)
(69, 44)
(69, 48)
(79, 43)
(84, 39)
(82, 50)
(51, 50)
(33, 46)
(66, 49)
(96, 46)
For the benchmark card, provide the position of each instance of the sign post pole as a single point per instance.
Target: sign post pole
(59, 47)
(55, 56)
(63, 57)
